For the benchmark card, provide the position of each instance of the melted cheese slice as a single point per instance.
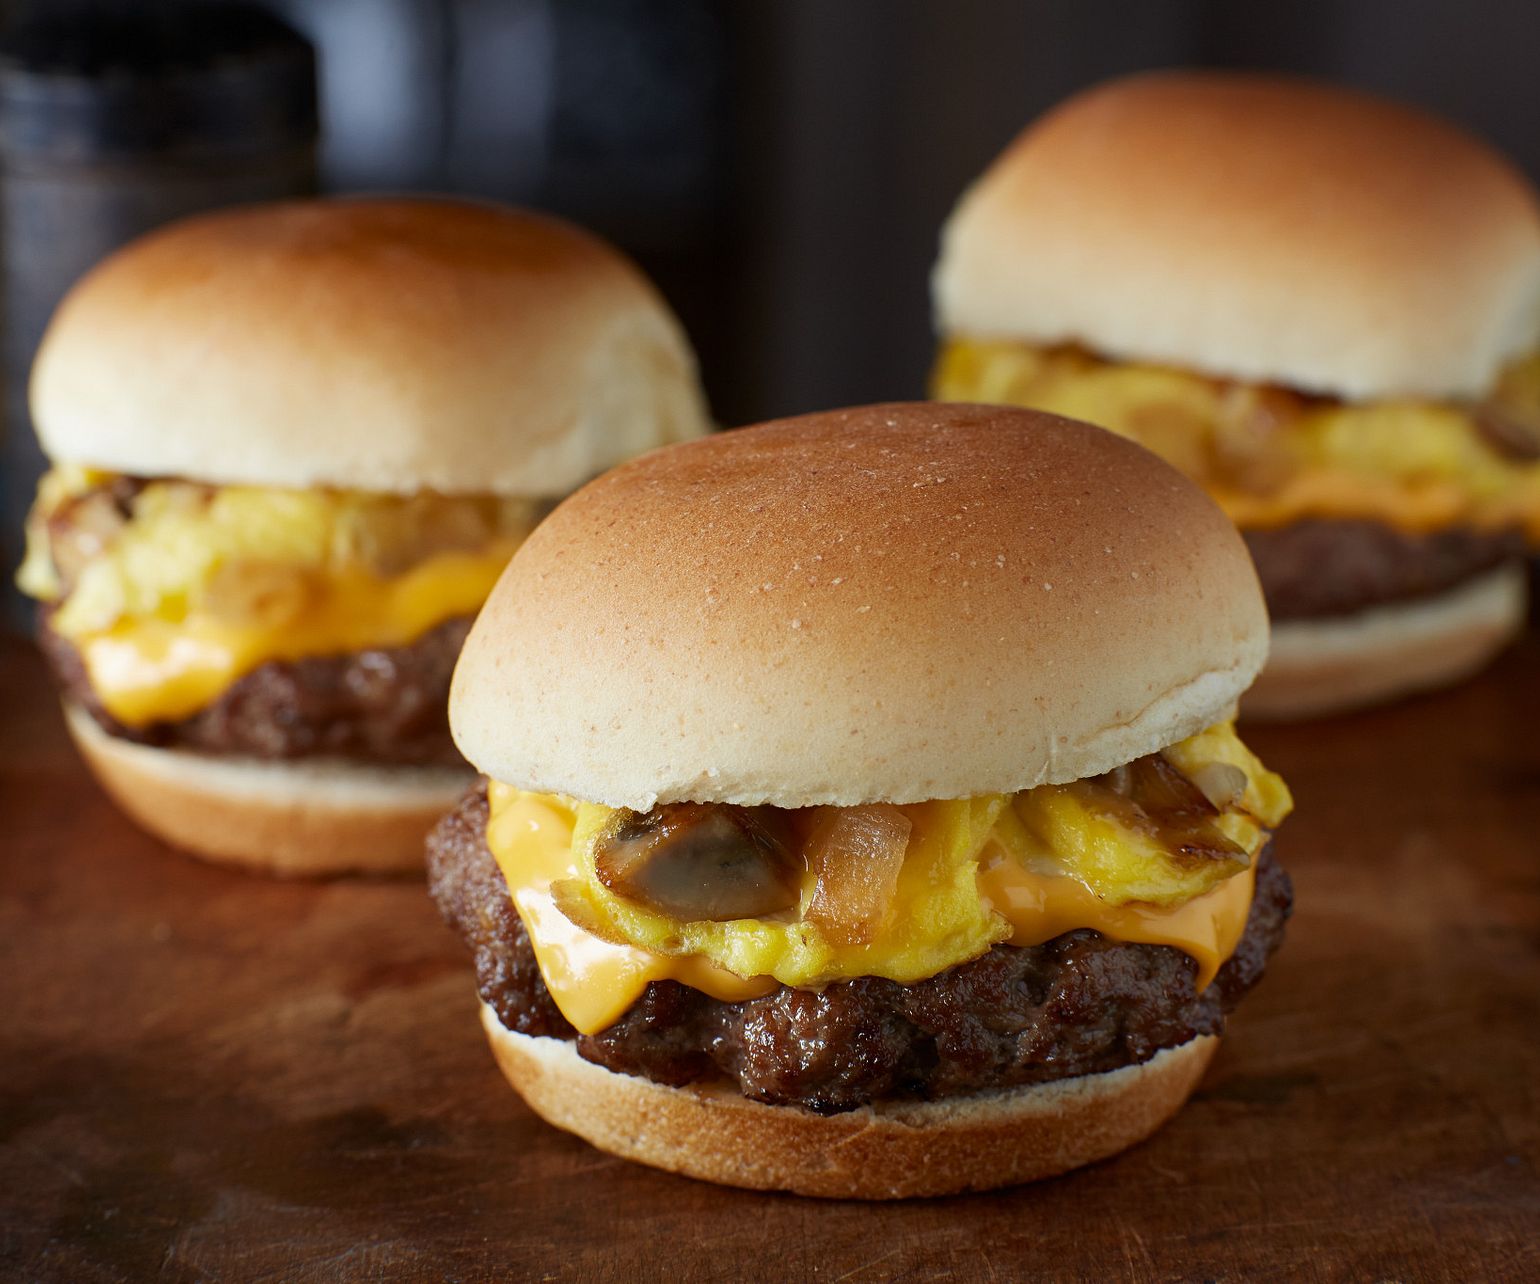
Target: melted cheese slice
(144, 669)
(594, 982)
(1040, 907)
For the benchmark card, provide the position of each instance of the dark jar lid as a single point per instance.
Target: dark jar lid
(95, 81)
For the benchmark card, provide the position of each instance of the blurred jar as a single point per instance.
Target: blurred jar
(115, 118)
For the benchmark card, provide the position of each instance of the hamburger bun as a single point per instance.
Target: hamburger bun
(1254, 227)
(891, 1150)
(891, 603)
(306, 817)
(387, 345)
(1332, 665)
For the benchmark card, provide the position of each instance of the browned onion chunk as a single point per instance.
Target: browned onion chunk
(1222, 783)
(81, 529)
(1174, 809)
(857, 853)
(1508, 433)
(702, 861)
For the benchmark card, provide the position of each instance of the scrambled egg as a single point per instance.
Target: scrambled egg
(939, 915)
(199, 585)
(189, 546)
(1268, 456)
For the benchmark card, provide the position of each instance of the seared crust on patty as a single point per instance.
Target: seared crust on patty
(1317, 567)
(383, 705)
(1079, 1004)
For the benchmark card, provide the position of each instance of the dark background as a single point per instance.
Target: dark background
(782, 166)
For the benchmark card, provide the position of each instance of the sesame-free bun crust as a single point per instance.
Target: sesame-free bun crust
(1254, 227)
(388, 345)
(290, 818)
(895, 1150)
(890, 603)
(1328, 666)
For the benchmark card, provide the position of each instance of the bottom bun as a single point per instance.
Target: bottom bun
(892, 1150)
(1324, 666)
(306, 817)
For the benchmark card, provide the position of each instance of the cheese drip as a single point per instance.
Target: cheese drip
(975, 875)
(1271, 457)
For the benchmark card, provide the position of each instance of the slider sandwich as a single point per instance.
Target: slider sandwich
(1324, 308)
(293, 447)
(863, 812)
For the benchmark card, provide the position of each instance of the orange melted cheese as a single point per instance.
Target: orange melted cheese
(594, 982)
(1040, 907)
(144, 669)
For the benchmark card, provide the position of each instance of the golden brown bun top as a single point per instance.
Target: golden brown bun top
(896, 602)
(1255, 227)
(378, 344)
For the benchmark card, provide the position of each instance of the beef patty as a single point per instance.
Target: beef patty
(1315, 568)
(385, 704)
(1079, 1004)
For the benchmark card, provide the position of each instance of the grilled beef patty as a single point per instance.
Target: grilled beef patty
(1079, 1004)
(1316, 568)
(385, 704)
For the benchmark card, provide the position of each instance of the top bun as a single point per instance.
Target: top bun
(376, 344)
(890, 603)
(1254, 227)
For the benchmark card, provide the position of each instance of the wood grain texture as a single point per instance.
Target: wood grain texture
(205, 1075)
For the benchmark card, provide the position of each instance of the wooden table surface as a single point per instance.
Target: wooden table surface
(205, 1075)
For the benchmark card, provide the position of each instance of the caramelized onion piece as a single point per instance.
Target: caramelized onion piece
(267, 595)
(857, 853)
(1173, 431)
(702, 861)
(392, 536)
(1175, 810)
(1245, 450)
(567, 895)
(1507, 433)
(81, 530)
(1222, 783)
